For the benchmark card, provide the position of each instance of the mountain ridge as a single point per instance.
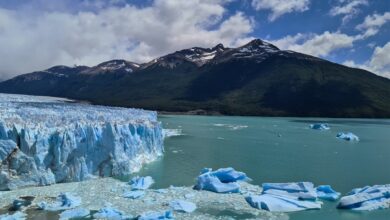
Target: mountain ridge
(255, 79)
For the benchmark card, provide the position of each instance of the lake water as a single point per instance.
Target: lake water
(279, 150)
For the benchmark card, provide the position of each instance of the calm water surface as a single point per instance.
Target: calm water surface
(279, 150)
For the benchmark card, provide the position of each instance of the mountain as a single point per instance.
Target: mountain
(255, 79)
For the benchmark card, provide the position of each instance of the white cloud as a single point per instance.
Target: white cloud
(134, 33)
(281, 7)
(348, 8)
(379, 62)
(316, 44)
(372, 23)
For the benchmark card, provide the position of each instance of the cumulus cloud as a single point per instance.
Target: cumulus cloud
(372, 24)
(348, 8)
(280, 7)
(106, 32)
(379, 62)
(316, 44)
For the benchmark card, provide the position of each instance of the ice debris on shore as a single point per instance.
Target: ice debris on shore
(110, 213)
(141, 183)
(45, 140)
(182, 206)
(367, 198)
(14, 216)
(74, 213)
(64, 201)
(348, 136)
(289, 197)
(223, 180)
(134, 194)
(156, 215)
(320, 126)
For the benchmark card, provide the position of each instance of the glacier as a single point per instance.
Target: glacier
(47, 140)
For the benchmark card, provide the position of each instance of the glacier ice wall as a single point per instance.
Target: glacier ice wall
(46, 140)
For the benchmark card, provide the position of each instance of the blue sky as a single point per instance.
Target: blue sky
(43, 33)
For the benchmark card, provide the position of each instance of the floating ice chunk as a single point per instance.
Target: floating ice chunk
(221, 181)
(172, 132)
(15, 216)
(110, 213)
(290, 187)
(74, 213)
(348, 136)
(327, 193)
(367, 198)
(320, 126)
(141, 183)
(182, 206)
(275, 203)
(310, 195)
(134, 194)
(64, 201)
(156, 215)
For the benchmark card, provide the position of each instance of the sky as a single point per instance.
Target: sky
(38, 34)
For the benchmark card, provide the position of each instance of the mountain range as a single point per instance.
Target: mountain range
(255, 79)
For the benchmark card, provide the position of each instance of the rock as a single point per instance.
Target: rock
(74, 213)
(141, 183)
(348, 136)
(320, 126)
(182, 206)
(15, 216)
(367, 198)
(156, 215)
(18, 204)
(220, 181)
(327, 193)
(134, 194)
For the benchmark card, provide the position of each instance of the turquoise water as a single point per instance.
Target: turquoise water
(279, 150)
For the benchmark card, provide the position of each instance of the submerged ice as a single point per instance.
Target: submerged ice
(45, 140)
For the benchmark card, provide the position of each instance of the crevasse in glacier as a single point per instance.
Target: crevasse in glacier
(46, 140)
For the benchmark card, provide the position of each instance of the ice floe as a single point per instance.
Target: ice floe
(291, 197)
(223, 180)
(367, 198)
(348, 136)
(172, 132)
(231, 127)
(156, 215)
(320, 126)
(63, 201)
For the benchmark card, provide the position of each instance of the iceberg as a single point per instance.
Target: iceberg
(326, 192)
(367, 198)
(46, 140)
(141, 183)
(348, 136)
(275, 203)
(320, 126)
(156, 215)
(220, 181)
(291, 197)
(182, 206)
(74, 214)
